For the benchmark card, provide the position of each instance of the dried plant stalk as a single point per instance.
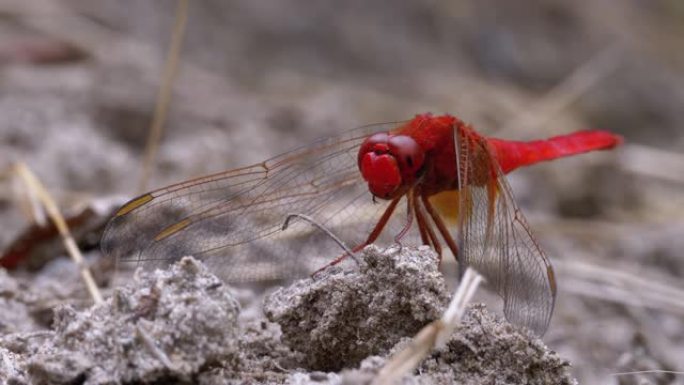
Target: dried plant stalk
(576, 84)
(652, 162)
(38, 190)
(434, 335)
(628, 288)
(164, 95)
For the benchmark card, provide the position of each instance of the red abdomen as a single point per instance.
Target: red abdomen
(513, 154)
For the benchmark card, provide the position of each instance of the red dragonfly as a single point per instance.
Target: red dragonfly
(450, 177)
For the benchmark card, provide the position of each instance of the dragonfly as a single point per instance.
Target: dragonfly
(432, 180)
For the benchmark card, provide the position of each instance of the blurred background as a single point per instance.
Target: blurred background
(79, 78)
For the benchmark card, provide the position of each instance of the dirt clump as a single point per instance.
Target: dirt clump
(343, 317)
(167, 326)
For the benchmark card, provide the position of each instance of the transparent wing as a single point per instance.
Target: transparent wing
(232, 220)
(495, 239)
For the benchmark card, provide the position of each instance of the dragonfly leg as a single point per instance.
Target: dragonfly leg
(441, 227)
(371, 238)
(427, 234)
(422, 228)
(409, 219)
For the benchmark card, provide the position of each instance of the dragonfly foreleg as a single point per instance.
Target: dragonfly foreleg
(377, 230)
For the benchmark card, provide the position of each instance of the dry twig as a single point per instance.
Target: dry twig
(324, 229)
(566, 92)
(41, 194)
(654, 371)
(434, 335)
(150, 344)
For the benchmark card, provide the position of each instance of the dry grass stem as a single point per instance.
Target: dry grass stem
(652, 162)
(654, 371)
(566, 92)
(618, 286)
(152, 346)
(433, 335)
(35, 187)
(165, 92)
(28, 202)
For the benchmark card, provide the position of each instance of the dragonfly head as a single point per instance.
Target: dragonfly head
(389, 162)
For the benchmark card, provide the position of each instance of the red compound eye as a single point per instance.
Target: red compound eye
(387, 162)
(408, 154)
(377, 143)
(382, 174)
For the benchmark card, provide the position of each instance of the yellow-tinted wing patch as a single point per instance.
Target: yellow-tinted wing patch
(134, 204)
(174, 228)
(446, 204)
(552, 278)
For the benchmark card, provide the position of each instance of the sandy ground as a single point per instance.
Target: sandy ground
(77, 89)
(183, 325)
